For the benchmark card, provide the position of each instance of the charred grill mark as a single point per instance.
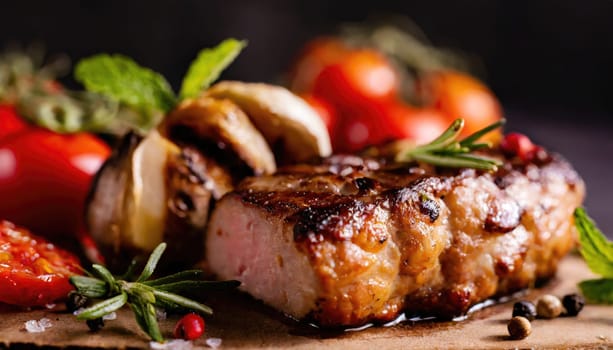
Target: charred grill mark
(216, 150)
(193, 166)
(420, 196)
(188, 204)
(314, 224)
(365, 183)
(429, 207)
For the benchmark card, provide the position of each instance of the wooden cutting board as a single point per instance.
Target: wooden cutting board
(243, 323)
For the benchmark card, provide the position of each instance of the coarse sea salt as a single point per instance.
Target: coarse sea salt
(45, 322)
(34, 326)
(175, 344)
(213, 342)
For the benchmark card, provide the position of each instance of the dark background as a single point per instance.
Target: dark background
(550, 62)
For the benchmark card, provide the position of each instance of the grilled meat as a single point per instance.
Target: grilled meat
(355, 240)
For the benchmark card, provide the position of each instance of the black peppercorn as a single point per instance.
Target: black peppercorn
(75, 301)
(573, 303)
(96, 324)
(524, 309)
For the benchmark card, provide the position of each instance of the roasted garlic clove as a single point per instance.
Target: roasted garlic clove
(291, 127)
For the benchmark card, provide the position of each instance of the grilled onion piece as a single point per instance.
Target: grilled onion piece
(215, 125)
(293, 130)
(127, 205)
(150, 191)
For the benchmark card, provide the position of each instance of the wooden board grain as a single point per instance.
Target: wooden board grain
(245, 324)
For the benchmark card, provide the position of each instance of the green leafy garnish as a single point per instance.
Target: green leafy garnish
(598, 254)
(447, 151)
(598, 290)
(144, 295)
(207, 67)
(122, 79)
(121, 95)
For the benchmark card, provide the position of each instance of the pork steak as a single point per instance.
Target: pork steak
(355, 240)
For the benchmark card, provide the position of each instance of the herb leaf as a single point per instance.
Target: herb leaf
(104, 307)
(447, 151)
(176, 277)
(154, 258)
(145, 317)
(595, 249)
(181, 302)
(90, 287)
(193, 286)
(144, 295)
(106, 276)
(122, 79)
(207, 67)
(598, 290)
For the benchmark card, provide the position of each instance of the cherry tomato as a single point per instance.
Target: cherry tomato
(324, 109)
(10, 121)
(520, 145)
(33, 272)
(45, 177)
(314, 57)
(189, 327)
(461, 96)
(380, 122)
(360, 126)
(363, 76)
(421, 125)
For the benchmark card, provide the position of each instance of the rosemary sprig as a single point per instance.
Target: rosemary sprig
(143, 294)
(447, 151)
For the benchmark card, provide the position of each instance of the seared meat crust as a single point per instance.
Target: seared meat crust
(355, 240)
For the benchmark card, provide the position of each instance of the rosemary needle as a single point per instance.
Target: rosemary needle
(447, 151)
(144, 294)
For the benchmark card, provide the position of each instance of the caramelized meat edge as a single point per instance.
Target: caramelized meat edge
(369, 240)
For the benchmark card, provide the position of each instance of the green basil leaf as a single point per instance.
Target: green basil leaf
(122, 79)
(595, 248)
(207, 67)
(598, 290)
